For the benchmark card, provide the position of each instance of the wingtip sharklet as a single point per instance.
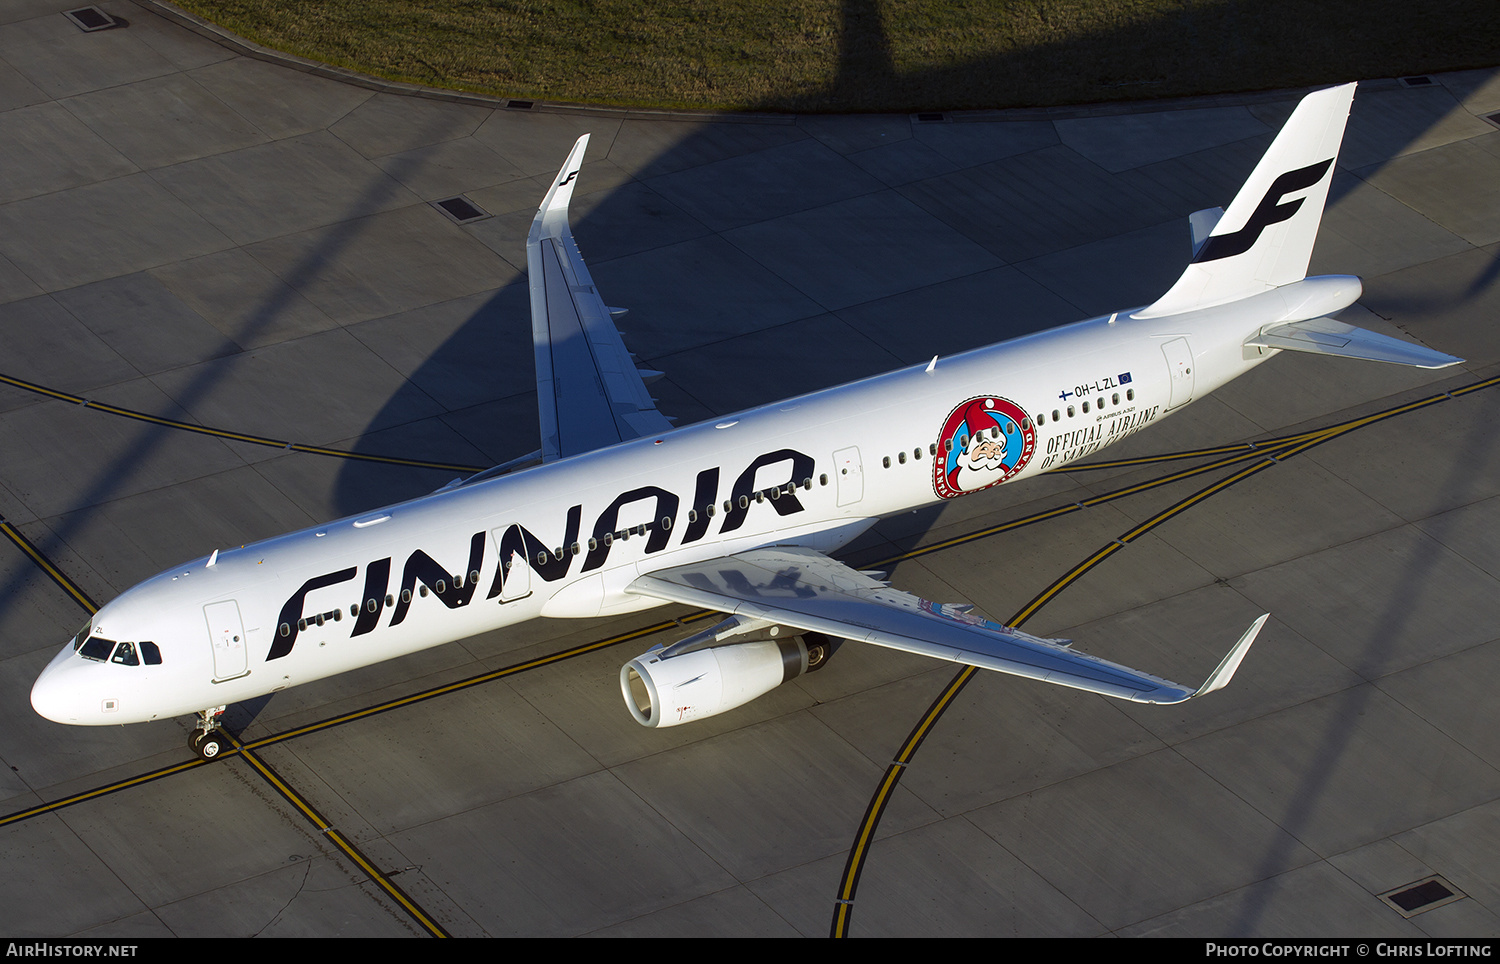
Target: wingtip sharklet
(551, 219)
(1220, 677)
(1217, 680)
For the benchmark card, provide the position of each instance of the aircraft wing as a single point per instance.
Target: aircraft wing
(589, 392)
(807, 590)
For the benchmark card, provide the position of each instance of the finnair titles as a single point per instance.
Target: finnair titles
(619, 511)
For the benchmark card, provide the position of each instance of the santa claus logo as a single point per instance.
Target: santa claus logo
(984, 442)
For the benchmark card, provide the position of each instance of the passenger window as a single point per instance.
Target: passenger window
(1085, 408)
(1114, 399)
(1070, 411)
(1129, 394)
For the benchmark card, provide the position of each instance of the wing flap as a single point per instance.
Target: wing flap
(809, 591)
(589, 392)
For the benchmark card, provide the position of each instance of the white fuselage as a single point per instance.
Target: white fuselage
(813, 471)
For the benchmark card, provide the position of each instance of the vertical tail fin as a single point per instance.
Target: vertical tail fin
(1265, 238)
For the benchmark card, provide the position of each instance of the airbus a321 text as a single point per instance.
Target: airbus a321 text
(619, 511)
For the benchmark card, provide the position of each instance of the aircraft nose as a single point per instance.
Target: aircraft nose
(51, 696)
(46, 699)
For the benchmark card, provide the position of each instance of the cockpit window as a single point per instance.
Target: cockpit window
(97, 647)
(125, 654)
(83, 634)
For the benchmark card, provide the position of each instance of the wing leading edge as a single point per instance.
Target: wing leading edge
(807, 590)
(589, 392)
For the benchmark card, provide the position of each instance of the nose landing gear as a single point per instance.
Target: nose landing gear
(207, 740)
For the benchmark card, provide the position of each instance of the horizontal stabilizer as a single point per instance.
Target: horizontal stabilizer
(1201, 224)
(1325, 336)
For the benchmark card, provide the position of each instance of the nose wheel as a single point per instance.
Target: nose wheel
(207, 740)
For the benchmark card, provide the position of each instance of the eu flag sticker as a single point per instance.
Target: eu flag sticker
(1125, 378)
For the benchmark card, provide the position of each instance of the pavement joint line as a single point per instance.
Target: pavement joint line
(343, 843)
(234, 436)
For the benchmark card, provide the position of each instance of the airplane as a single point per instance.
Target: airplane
(620, 511)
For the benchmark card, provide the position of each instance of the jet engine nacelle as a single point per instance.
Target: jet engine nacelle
(706, 682)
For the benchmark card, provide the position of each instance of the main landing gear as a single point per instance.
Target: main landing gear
(206, 739)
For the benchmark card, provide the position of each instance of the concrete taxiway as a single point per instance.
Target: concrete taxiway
(200, 235)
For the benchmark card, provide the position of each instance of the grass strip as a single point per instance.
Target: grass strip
(870, 55)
